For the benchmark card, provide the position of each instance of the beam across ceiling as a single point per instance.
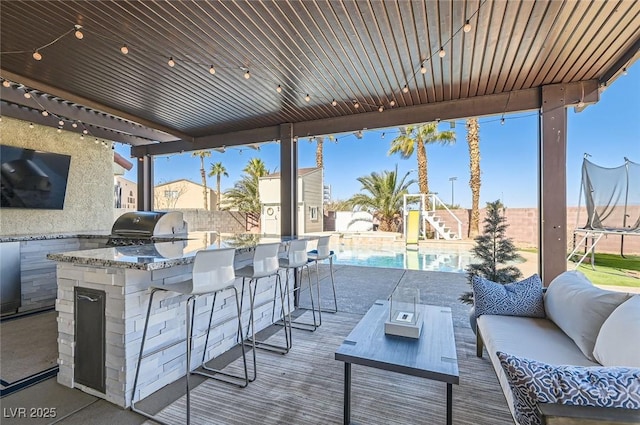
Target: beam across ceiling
(503, 103)
(63, 94)
(79, 113)
(13, 110)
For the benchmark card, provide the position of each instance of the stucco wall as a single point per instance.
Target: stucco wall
(88, 204)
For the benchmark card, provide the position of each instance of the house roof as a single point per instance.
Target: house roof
(357, 53)
(301, 173)
(182, 181)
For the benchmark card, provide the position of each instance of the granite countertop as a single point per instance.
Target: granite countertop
(20, 238)
(162, 255)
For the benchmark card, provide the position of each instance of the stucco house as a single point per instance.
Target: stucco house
(310, 214)
(182, 194)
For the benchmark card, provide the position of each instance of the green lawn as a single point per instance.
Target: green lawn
(610, 269)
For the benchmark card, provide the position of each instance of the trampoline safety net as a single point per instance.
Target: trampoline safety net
(612, 196)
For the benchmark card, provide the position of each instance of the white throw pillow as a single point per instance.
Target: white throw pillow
(618, 343)
(579, 308)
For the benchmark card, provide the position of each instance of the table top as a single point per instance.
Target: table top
(431, 356)
(162, 255)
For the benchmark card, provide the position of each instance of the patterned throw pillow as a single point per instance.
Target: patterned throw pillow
(534, 382)
(524, 298)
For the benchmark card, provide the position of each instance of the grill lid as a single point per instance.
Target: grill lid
(148, 224)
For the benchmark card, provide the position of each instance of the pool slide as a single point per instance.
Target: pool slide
(413, 227)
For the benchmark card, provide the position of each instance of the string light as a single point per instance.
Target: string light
(279, 89)
(96, 141)
(307, 97)
(247, 75)
(212, 70)
(382, 137)
(405, 89)
(82, 137)
(85, 131)
(6, 83)
(37, 56)
(30, 125)
(171, 62)
(392, 103)
(442, 53)
(624, 71)
(74, 125)
(502, 121)
(59, 129)
(45, 113)
(60, 123)
(467, 26)
(334, 102)
(124, 49)
(79, 35)
(27, 95)
(356, 104)
(423, 69)
(380, 108)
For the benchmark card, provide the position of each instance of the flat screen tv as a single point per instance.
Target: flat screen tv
(33, 179)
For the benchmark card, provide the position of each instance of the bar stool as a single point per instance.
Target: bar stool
(297, 259)
(264, 264)
(322, 252)
(212, 273)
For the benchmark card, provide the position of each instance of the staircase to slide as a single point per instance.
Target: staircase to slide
(430, 209)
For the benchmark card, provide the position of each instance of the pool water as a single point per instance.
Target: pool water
(441, 260)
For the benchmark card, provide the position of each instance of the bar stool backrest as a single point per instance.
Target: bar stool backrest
(297, 254)
(323, 247)
(213, 270)
(265, 259)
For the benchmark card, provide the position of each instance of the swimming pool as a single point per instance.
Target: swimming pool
(432, 259)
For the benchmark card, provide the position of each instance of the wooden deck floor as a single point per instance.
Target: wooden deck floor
(306, 387)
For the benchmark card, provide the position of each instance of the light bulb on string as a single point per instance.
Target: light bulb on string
(27, 95)
(307, 97)
(247, 75)
(6, 83)
(96, 141)
(405, 89)
(467, 26)
(380, 108)
(442, 53)
(392, 102)
(37, 55)
(502, 121)
(124, 49)
(423, 69)
(74, 125)
(59, 129)
(60, 123)
(334, 102)
(382, 137)
(79, 35)
(279, 89)
(82, 137)
(85, 131)
(212, 70)
(45, 113)
(624, 71)
(171, 62)
(356, 104)
(30, 125)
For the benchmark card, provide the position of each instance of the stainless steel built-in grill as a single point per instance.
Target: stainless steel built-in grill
(144, 227)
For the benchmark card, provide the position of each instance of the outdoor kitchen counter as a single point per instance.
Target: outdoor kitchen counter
(121, 276)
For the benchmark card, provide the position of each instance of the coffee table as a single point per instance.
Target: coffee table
(432, 356)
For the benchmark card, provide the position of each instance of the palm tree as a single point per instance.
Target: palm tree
(218, 170)
(203, 155)
(319, 153)
(385, 196)
(244, 194)
(416, 138)
(473, 140)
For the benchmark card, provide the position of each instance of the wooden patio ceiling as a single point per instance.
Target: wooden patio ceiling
(325, 66)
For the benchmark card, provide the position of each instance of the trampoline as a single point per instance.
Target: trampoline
(612, 201)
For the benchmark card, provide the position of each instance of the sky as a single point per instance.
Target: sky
(609, 131)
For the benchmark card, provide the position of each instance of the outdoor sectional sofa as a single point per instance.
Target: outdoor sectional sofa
(570, 355)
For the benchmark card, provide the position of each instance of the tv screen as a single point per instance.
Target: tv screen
(33, 179)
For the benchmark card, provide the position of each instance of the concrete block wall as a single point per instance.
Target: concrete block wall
(219, 221)
(126, 307)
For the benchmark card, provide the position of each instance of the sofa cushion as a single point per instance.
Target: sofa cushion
(618, 343)
(534, 382)
(522, 298)
(579, 308)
